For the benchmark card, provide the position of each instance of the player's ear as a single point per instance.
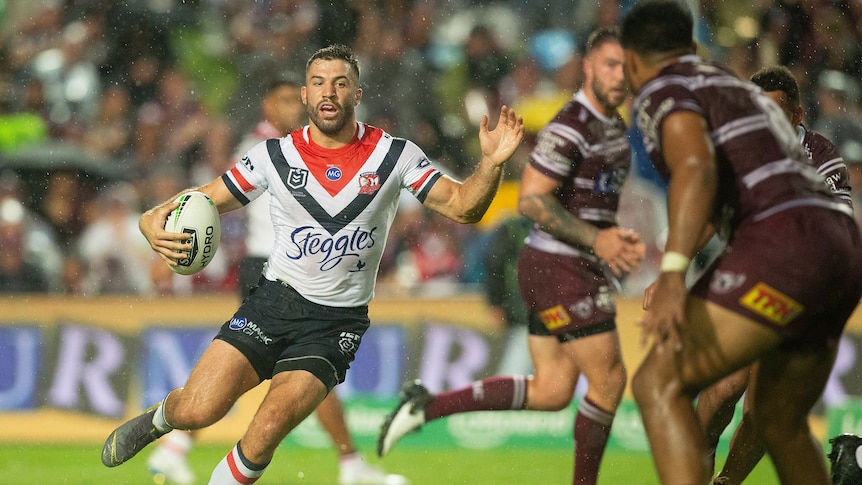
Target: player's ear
(303, 95)
(796, 119)
(358, 96)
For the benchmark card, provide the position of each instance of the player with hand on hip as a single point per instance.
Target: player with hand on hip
(716, 405)
(783, 288)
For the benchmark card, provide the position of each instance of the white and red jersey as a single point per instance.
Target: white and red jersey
(331, 208)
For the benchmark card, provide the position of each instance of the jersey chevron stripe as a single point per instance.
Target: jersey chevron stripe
(333, 224)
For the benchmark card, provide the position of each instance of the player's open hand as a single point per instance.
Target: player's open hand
(666, 312)
(168, 245)
(499, 144)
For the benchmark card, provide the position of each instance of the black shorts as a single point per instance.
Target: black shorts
(250, 270)
(278, 330)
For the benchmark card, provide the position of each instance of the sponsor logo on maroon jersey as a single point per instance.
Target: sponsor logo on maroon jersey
(771, 303)
(555, 317)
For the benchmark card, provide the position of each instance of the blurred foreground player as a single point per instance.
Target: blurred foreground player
(716, 405)
(782, 290)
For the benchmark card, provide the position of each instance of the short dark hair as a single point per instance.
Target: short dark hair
(599, 37)
(336, 52)
(657, 26)
(778, 78)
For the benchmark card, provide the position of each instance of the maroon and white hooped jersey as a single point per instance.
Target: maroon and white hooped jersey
(331, 208)
(588, 153)
(827, 161)
(762, 169)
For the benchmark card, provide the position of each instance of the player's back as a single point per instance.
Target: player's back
(761, 164)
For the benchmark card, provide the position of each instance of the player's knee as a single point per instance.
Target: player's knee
(650, 385)
(192, 417)
(549, 396)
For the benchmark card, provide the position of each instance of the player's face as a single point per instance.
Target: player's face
(605, 76)
(284, 109)
(330, 95)
(780, 98)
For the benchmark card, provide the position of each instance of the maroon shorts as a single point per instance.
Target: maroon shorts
(798, 272)
(566, 296)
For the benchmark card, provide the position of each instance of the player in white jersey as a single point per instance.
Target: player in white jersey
(282, 111)
(335, 186)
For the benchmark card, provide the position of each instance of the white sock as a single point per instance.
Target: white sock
(235, 469)
(179, 442)
(159, 419)
(350, 458)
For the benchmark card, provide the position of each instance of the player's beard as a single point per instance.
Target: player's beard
(603, 96)
(331, 127)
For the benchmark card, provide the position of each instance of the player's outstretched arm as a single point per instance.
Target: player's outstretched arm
(467, 201)
(170, 245)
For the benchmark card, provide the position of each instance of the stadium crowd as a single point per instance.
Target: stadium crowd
(140, 99)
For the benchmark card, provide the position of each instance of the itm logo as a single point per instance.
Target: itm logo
(771, 303)
(193, 253)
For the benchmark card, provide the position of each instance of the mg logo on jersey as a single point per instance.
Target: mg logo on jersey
(369, 183)
(297, 178)
(771, 303)
(333, 173)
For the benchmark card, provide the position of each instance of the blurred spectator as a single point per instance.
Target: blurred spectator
(113, 77)
(27, 244)
(109, 134)
(70, 82)
(837, 94)
(115, 257)
(138, 50)
(17, 275)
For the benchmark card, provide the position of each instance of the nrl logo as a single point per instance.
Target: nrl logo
(297, 178)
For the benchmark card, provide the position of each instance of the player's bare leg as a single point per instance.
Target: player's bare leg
(292, 396)
(220, 377)
(746, 447)
(353, 469)
(716, 405)
(216, 382)
(598, 358)
(667, 382)
(781, 408)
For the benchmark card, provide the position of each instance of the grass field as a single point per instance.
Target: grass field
(80, 465)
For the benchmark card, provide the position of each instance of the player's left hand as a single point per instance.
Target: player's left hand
(666, 312)
(499, 144)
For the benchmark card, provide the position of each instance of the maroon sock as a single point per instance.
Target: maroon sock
(592, 430)
(497, 393)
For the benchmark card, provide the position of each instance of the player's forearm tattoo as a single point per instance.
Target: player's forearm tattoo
(546, 211)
